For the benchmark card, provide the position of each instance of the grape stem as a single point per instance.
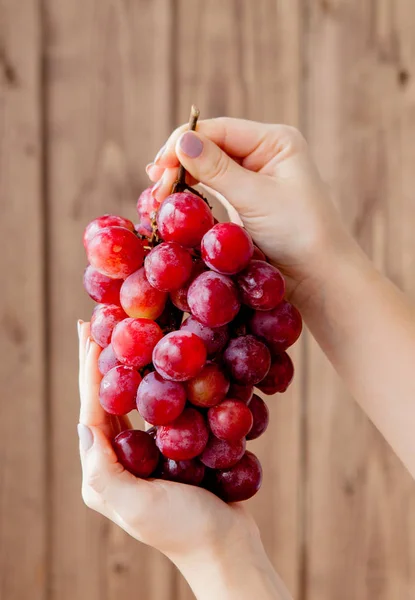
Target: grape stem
(180, 184)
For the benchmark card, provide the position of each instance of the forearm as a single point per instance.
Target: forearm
(366, 327)
(240, 573)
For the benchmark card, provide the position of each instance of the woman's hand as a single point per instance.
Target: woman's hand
(266, 173)
(211, 542)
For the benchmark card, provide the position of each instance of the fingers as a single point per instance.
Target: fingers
(106, 486)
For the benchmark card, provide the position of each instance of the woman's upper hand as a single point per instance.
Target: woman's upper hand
(266, 173)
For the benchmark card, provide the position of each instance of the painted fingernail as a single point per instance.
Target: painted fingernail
(86, 437)
(160, 153)
(191, 145)
(156, 187)
(79, 324)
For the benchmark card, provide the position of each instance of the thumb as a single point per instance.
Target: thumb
(207, 163)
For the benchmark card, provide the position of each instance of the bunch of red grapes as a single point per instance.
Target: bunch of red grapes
(191, 317)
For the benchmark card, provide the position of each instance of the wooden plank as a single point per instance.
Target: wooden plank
(242, 59)
(22, 367)
(108, 113)
(361, 126)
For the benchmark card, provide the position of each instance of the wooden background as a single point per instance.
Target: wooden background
(89, 90)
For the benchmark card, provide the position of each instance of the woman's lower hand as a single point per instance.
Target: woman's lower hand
(202, 535)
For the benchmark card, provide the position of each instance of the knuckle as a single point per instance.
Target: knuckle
(292, 136)
(219, 167)
(95, 481)
(90, 499)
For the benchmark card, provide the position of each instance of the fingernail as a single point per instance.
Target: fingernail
(160, 153)
(86, 437)
(80, 322)
(156, 187)
(88, 344)
(191, 145)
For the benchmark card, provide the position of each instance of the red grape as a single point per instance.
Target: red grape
(209, 387)
(118, 390)
(144, 228)
(183, 471)
(179, 356)
(260, 414)
(184, 218)
(213, 299)
(241, 392)
(147, 204)
(115, 252)
(107, 360)
(133, 341)
(102, 288)
(185, 438)
(139, 299)
(179, 296)
(153, 432)
(279, 376)
(103, 222)
(261, 285)
(240, 482)
(137, 452)
(230, 420)
(258, 254)
(247, 359)
(280, 327)
(214, 338)
(159, 401)
(227, 248)
(220, 454)
(168, 266)
(104, 318)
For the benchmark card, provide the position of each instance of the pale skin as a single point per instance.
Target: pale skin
(363, 323)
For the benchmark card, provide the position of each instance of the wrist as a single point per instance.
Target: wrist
(233, 569)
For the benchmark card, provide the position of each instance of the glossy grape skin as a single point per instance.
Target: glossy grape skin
(261, 286)
(101, 223)
(185, 438)
(170, 318)
(179, 296)
(179, 356)
(209, 387)
(153, 432)
(220, 454)
(239, 482)
(182, 471)
(168, 266)
(101, 288)
(247, 359)
(231, 420)
(115, 252)
(118, 390)
(159, 401)
(241, 392)
(214, 338)
(279, 376)
(137, 452)
(227, 248)
(184, 218)
(280, 327)
(134, 340)
(260, 414)
(213, 299)
(104, 318)
(139, 299)
(107, 360)
(147, 204)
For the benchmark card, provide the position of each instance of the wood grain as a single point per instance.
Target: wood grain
(242, 59)
(360, 118)
(23, 559)
(108, 112)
